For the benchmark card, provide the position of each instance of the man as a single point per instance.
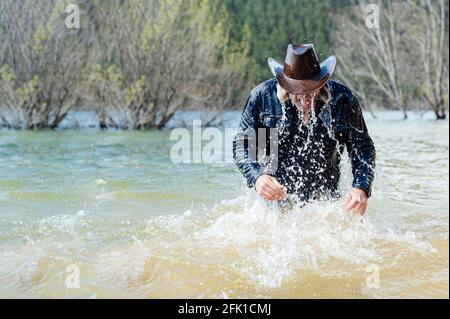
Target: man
(294, 129)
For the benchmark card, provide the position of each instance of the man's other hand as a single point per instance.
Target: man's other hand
(268, 188)
(356, 201)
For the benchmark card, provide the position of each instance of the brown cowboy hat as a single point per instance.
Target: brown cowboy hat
(302, 72)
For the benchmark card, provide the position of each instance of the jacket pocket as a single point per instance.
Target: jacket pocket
(270, 120)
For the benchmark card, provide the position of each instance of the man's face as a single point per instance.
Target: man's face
(306, 101)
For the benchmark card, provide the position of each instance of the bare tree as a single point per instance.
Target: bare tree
(163, 55)
(429, 38)
(42, 65)
(374, 57)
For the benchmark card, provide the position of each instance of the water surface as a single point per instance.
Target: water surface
(137, 225)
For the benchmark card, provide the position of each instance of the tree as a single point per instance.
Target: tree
(162, 55)
(274, 24)
(403, 61)
(42, 64)
(375, 59)
(429, 39)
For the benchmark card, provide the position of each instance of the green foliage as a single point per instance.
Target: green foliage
(162, 56)
(269, 26)
(146, 59)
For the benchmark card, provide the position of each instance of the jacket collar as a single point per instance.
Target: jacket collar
(325, 95)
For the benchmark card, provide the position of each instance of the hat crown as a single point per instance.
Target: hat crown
(301, 62)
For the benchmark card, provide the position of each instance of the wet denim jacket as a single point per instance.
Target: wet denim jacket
(272, 140)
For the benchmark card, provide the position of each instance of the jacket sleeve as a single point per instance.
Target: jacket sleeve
(245, 141)
(360, 147)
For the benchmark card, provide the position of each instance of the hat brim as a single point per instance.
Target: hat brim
(306, 86)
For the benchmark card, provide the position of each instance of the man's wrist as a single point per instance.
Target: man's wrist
(256, 179)
(363, 190)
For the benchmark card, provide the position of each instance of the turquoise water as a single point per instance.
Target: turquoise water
(137, 225)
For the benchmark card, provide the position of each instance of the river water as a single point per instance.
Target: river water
(112, 210)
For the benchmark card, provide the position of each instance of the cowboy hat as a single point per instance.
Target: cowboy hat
(302, 72)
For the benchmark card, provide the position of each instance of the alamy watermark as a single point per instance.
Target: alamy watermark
(373, 279)
(72, 20)
(72, 276)
(373, 16)
(212, 145)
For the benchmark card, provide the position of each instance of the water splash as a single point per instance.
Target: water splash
(242, 247)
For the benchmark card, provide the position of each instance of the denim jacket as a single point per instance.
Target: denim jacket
(304, 158)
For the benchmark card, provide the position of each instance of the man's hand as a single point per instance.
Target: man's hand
(268, 188)
(356, 201)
